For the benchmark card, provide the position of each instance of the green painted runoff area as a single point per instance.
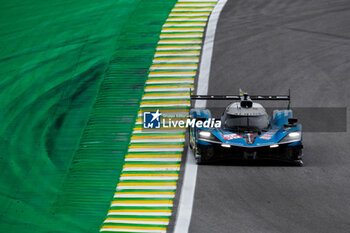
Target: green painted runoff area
(72, 74)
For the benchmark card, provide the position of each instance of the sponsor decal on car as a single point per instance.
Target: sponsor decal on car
(266, 136)
(231, 136)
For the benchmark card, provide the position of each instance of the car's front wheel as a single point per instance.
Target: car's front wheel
(197, 156)
(299, 163)
(295, 154)
(204, 154)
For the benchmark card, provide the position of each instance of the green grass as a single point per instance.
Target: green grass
(56, 59)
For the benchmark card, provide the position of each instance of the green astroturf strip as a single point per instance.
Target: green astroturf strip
(72, 74)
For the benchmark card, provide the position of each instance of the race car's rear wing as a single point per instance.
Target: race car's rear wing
(239, 97)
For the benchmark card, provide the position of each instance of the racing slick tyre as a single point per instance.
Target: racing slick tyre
(197, 157)
(299, 163)
(295, 154)
(203, 154)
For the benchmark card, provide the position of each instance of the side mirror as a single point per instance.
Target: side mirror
(292, 121)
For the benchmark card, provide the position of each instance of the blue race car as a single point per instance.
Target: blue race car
(246, 131)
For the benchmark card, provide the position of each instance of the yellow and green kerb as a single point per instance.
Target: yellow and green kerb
(143, 200)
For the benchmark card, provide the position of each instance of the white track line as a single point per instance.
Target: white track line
(137, 222)
(180, 42)
(158, 140)
(121, 195)
(165, 54)
(189, 182)
(191, 67)
(164, 97)
(151, 169)
(194, 5)
(162, 105)
(166, 89)
(159, 131)
(197, 1)
(172, 74)
(169, 82)
(182, 30)
(186, 14)
(142, 205)
(150, 187)
(183, 24)
(173, 114)
(168, 48)
(154, 149)
(182, 9)
(131, 230)
(180, 60)
(166, 82)
(149, 177)
(181, 36)
(140, 213)
(153, 159)
(184, 19)
(204, 70)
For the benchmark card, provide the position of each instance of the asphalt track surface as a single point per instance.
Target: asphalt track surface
(266, 47)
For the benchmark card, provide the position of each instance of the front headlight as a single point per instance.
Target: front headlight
(205, 135)
(292, 137)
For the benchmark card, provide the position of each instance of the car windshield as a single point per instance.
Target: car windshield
(235, 122)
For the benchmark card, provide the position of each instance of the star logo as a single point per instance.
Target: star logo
(156, 115)
(151, 120)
